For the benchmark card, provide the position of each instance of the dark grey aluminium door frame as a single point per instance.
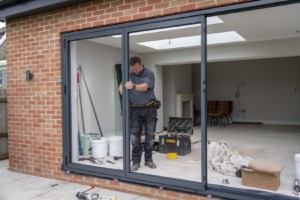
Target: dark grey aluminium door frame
(203, 93)
(68, 165)
(124, 174)
(164, 181)
(229, 192)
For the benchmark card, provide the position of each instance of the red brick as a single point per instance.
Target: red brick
(125, 19)
(206, 4)
(104, 6)
(99, 12)
(110, 10)
(91, 9)
(225, 2)
(187, 8)
(153, 1)
(146, 8)
(85, 15)
(139, 4)
(111, 21)
(117, 14)
(92, 19)
(105, 16)
(162, 5)
(139, 16)
(154, 13)
(131, 12)
(170, 10)
(98, 23)
(117, 3)
(125, 7)
(178, 3)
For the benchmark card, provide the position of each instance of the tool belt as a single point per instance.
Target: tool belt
(150, 103)
(153, 103)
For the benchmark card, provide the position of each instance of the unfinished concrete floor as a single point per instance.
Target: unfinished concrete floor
(272, 143)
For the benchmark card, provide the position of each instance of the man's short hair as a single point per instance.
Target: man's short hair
(134, 60)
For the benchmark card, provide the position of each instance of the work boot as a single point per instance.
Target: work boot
(135, 167)
(150, 164)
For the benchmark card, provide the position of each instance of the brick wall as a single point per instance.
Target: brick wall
(34, 108)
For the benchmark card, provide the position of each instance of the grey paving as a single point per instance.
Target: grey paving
(17, 186)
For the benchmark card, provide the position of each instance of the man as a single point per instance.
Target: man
(143, 112)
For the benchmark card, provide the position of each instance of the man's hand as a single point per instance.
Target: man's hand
(129, 85)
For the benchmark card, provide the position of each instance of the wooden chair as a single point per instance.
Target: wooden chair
(217, 117)
(211, 108)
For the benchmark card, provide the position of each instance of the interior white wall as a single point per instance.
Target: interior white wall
(73, 51)
(168, 101)
(267, 91)
(90, 53)
(177, 79)
(98, 64)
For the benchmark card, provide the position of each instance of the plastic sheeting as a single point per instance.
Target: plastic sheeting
(224, 160)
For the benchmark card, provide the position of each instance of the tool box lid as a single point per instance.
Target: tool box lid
(180, 125)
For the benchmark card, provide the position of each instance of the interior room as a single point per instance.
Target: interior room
(253, 63)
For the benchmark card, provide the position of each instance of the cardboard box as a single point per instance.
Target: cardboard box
(262, 175)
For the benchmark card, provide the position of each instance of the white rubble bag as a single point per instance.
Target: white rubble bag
(223, 160)
(297, 162)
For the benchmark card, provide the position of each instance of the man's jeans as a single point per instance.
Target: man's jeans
(142, 117)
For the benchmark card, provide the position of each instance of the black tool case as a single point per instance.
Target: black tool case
(175, 144)
(178, 138)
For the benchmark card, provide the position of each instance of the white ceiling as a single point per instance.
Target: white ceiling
(259, 25)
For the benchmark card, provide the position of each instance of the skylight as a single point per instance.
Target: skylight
(210, 21)
(192, 41)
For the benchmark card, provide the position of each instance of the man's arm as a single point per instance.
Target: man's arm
(139, 87)
(148, 83)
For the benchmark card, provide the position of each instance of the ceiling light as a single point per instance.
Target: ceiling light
(210, 21)
(192, 41)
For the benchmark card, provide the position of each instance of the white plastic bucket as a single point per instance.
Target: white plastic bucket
(297, 162)
(116, 146)
(100, 148)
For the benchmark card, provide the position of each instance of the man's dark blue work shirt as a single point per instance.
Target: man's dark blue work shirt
(141, 98)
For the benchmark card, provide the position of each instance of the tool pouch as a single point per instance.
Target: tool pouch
(156, 104)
